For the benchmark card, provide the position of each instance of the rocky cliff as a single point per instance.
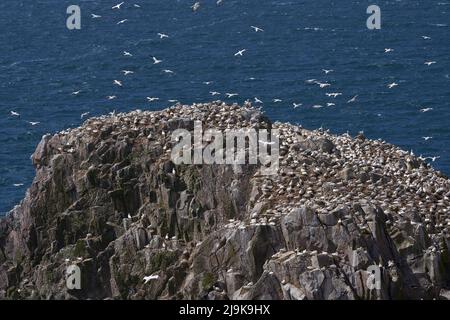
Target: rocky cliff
(108, 198)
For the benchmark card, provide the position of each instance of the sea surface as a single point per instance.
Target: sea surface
(42, 64)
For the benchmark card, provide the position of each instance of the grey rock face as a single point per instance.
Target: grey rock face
(107, 198)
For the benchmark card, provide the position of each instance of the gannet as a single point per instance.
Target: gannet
(240, 52)
(352, 99)
(392, 85)
(257, 29)
(323, 85)
(152, 277)
(117, 6)
(156, 61)
(334, 94)
(127, 72)
(433, 158)
(162, 35)
(265, 142)
(195, 6)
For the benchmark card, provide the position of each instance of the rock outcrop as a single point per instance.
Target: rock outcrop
(108, 198)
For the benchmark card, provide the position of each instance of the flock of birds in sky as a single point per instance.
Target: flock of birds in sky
(229, 95)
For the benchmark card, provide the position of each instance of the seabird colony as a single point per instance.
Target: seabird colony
(326, 172)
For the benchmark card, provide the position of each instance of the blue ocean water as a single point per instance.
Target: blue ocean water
(42, 63)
